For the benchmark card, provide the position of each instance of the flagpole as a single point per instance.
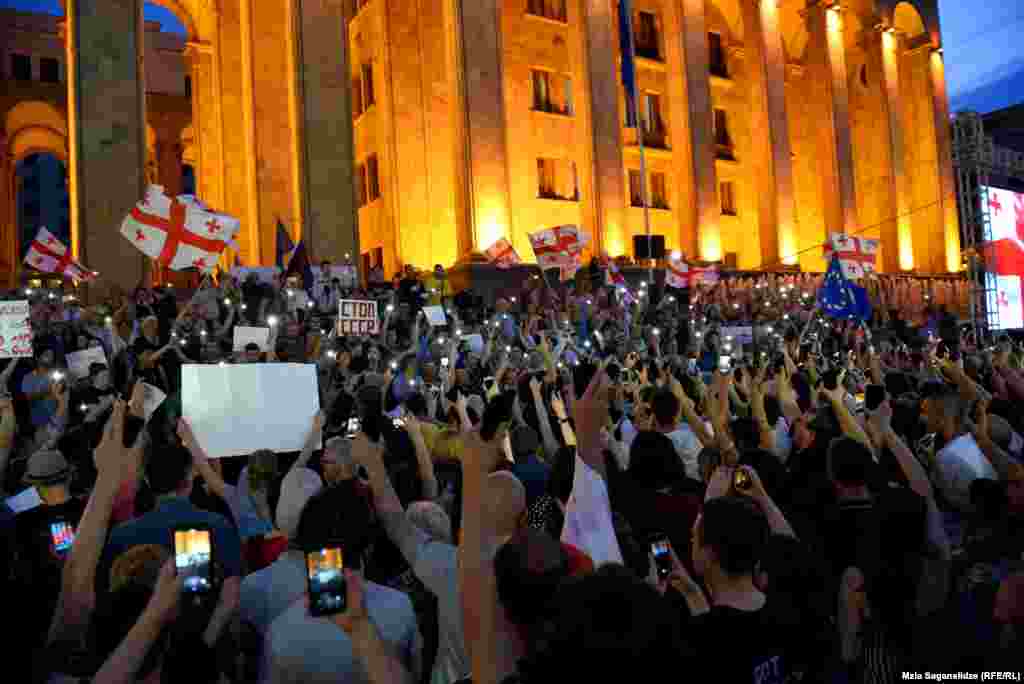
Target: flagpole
(628, 17)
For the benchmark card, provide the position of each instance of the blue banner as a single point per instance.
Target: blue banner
(840, 298)
(626, 47)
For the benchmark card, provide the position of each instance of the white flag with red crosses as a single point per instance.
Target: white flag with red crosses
(856, 254)
(50, 255)
(179, 232)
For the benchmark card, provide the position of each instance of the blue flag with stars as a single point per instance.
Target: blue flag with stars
(839, 298)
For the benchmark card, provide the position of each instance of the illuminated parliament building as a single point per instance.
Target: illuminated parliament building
(421, 131)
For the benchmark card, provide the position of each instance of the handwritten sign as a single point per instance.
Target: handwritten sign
(15, 332)
(357, 317)
(247, 335)
(79, 361)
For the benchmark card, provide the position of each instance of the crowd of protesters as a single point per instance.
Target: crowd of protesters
(610, 485)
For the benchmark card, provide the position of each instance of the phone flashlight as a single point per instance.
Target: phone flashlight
(271, 321)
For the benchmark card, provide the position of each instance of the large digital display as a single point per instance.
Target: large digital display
(1004, 257)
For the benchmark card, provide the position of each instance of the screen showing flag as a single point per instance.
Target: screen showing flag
(1004, 255)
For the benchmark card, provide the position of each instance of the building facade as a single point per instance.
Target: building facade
(420, 131)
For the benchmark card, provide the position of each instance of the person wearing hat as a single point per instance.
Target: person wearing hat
(43, 536)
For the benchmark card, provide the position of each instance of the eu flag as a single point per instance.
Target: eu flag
(840, 298)
(284, 244)
(627, 48)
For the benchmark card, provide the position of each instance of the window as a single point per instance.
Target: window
(358, 5)
(378, 257)
(551, 93)
(636, 189)
(372, 178)
(652, 122)
(716, 55)
(648, 43)
(659, 196)
(368, 99)
(723, 141)
(21, 67)
(49, 70)
(727, 198)
(188, 86)
(556, 179)
(549, 9)
(357, 97)
(361, 186)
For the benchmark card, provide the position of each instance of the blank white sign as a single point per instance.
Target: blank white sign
(236, 409)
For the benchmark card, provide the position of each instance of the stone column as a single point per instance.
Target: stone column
(603, 78)
(769, 130)
(693, 38)
(827, 53)
(900, 232)
(325, 116)
(107, 120)
(207, 123)
(168, 159)
(476, 49)
(8, 218)
(943, 144)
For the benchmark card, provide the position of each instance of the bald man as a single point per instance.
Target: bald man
(435, 561)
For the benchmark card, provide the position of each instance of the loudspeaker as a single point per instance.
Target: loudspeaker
(656, 250)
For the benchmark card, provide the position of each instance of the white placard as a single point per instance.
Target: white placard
(235, 410)
(435, 316)
(15, 332)
(24, 501)
(740, 334)
(152, 397)
(246, 335)
(357, 317)
(79, 361)
(476, 343)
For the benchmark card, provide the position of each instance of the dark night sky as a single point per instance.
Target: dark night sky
(981, 40)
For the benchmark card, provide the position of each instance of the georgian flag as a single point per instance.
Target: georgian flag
(1004, 255)
(559, 247)
(179, 232)
(502, 254)
(856, 254)
(678, 273)
(50, 255)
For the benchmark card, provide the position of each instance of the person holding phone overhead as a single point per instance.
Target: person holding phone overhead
(44, 535)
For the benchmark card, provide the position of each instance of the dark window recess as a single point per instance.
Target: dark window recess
(716, 56)
(21, 67)
(188, 86)
(49, 70)
(648, 42)
(549, 9)
(372, 178)
(357, 97)
(723, 141)
(368, 97)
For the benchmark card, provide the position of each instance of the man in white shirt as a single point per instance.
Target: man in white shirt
(961, 461)
(665, 406)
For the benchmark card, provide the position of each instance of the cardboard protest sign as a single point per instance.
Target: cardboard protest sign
(435, 316)
(236, 409)
(15, 332)
(357, 317)
(79, 361)
(247, 335)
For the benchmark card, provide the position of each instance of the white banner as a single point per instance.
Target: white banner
(357, 317)
(236, 409)
(248, 335)
(15, 332)
(79, 361)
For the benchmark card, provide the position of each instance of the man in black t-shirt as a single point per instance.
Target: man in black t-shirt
(748, 636)
(44, 537)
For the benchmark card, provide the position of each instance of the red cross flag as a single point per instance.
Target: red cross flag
(50, 255)
(558, 247)
(678, 273)
(179, 232)
(502, 254)
(856, 254)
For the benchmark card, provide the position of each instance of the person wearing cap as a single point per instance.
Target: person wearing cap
(39, 560)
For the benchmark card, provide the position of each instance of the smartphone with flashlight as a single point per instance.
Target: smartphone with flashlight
(325, 578)
(193, 558)
(662, 553)
(352, 429)
(724, 364)
(62, 537)
(741, 480)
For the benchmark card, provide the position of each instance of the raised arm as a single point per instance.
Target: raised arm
(223, 330)
(850, 426)
(312, 442)
(423, 460)
(378, 659)
(543, 419)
